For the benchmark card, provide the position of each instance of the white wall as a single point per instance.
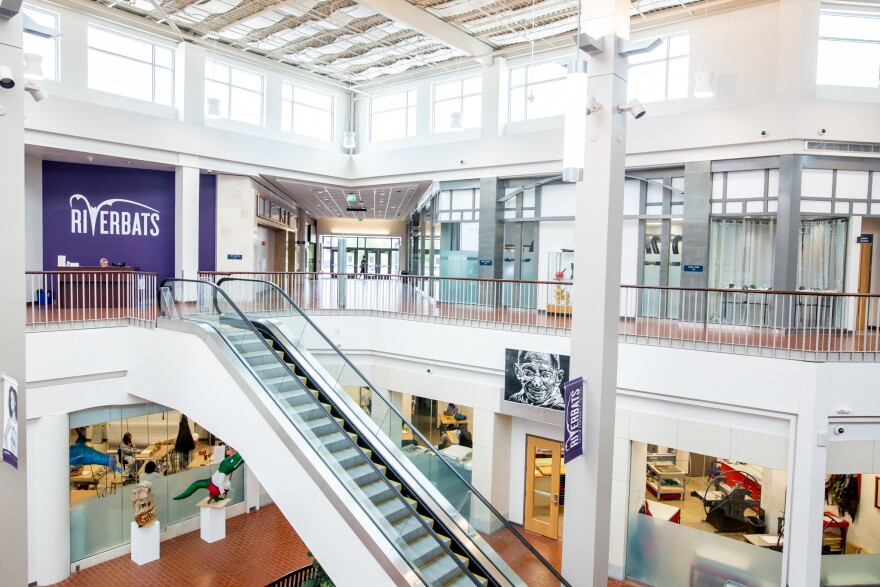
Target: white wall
(236, 223)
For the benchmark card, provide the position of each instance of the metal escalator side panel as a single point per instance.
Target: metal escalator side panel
(447, 513)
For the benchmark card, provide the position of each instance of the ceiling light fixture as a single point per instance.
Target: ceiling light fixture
(348, 141)
(576, 110)
(705, 86)
(212, 105)
(36, 91)
(455, 122)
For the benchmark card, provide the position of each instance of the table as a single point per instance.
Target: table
(457, 452)
(95, 287)
(764, 540)
(447, 419)
(662, 511)
(87, 476)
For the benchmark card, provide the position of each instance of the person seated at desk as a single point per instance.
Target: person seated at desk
(128, 454)
(445, 442)
(150, 473)
(451, 410)
(464, 436)
(104, 262)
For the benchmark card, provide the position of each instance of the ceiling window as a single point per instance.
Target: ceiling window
(306, 112)
(393, 116)
(45, 48)
(130, 67)
(661, 74)
(849, 49)
(462, 96)
(240, 91)
(536, 91)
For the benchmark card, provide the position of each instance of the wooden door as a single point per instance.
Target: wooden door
(865, 251)
(543, 467)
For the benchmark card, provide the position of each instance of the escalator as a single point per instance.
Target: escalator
(445, 531)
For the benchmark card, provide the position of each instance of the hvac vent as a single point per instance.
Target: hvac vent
(843, 147)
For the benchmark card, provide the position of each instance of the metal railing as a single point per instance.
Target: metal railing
(535, 306)
(90, 298)
(296, 578)
(803, 325)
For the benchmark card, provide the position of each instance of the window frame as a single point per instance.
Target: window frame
(56, 42)
(820, 38)
(405, 108)
(526, 85)
(459, 98)
(666, 60)
(292, 103)
(213, 62)
(153, 65)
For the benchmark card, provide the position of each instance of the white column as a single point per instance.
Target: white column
(806, 493)
(251, 490)
(494, 98)
(186, 222)
(49, 504)
(190, 83)
(491, 466)
(13, 483)
(598, 227)
(301, 244)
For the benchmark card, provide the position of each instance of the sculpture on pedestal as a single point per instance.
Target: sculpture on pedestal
(142, 503)
(219, 483)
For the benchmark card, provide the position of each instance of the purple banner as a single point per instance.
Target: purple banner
(574, 419)
(94, 211)
(207, 222)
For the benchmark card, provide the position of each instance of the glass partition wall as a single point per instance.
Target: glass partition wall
(703, 520)
(100, 498)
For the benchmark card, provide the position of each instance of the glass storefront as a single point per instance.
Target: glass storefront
(100, 498)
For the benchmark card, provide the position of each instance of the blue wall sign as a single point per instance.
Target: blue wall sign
(232, 257)
(693, 268)
(485, 262)
(865, 239)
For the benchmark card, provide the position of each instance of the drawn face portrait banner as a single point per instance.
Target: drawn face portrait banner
(10, 421)
(535, 378)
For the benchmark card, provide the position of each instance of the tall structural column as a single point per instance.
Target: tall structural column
(695, 235)
(13, 482)
(186, 220)
(491, 229)
(598, 234)
(49, 512)
(788, 232)
(302, 244)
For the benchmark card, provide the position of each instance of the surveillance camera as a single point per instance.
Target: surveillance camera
(763, 133)
(822, 131)
(7, 80)
(634, 107)
(839, 430)
(461, 162)
(428, 369)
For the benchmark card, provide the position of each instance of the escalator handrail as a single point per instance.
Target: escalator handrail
(415, 430)
(410, 509)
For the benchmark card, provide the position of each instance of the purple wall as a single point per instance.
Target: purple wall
(92, 211)
(207, 222)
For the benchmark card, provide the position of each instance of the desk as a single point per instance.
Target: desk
(447, 419)
(87, 475)
(764, 540)
(457, 453)
(153, 453)
(95, 287)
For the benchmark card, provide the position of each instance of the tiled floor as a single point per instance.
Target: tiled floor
(258, 548)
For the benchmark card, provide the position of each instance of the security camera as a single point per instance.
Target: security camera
(634, 107)
(461, 162)
(763, 133)
(822, 131)
(36, 91)
(7, 80)
(428, 369)
(839, 430)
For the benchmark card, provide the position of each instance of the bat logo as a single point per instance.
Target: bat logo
(98, 220)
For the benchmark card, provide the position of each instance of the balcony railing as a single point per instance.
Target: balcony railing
(803, 325)
(90, 298)
(532, 306)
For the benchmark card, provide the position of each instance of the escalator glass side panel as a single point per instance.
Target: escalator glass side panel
(426, 552)
(448, 471)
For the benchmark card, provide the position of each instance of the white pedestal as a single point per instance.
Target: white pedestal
(213, 519)
(144, 543)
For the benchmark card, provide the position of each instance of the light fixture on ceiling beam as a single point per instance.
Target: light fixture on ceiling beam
(36, 91)
(575, 130)
(705, 86)
(348, 141)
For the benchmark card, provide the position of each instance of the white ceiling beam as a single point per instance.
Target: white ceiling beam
(428, 24)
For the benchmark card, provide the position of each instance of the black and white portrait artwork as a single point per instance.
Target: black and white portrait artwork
(535, 378)
(10, 421)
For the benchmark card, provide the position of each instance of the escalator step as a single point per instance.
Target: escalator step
(442, 570)
(377, 492)
(463, 580)
(423, 550)
(410, 529)
(259, 357)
